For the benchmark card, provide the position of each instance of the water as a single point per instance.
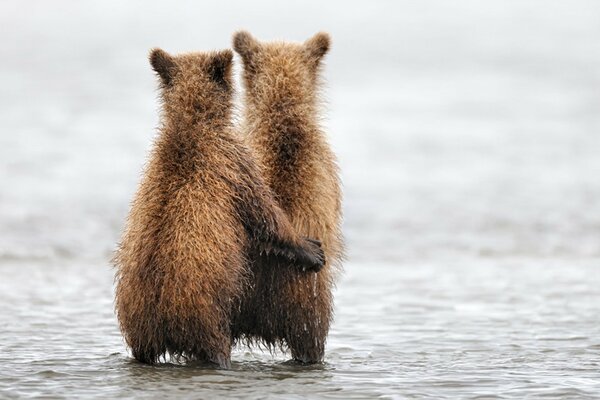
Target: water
(468, 136)
(484, 330)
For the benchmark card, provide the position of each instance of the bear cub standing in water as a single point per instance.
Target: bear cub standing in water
(200, 219)
(282, 128)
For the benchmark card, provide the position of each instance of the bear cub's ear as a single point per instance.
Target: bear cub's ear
(318, 45)
(219, 67)
(245, 45)
(164, 65)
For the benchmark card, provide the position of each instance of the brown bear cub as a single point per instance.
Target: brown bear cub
(201, 218)
(281, 124)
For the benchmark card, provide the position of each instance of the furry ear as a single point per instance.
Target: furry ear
(219, 67)
(317, 46)
(245, 45)
(164, 65)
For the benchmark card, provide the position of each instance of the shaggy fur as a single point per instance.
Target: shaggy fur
(201, 217)
(281, 125)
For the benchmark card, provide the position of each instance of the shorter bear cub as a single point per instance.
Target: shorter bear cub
(200, 218)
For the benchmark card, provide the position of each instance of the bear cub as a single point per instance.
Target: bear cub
(201, 219)
(282, 127)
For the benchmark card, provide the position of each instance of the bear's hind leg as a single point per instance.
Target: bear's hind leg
(214, 344)
(309, 316)
(307, 347)
(147, 354)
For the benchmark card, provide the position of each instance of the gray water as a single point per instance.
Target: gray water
(469, 139)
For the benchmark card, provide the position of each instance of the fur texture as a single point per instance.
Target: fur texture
(281, 125)
(200, 219)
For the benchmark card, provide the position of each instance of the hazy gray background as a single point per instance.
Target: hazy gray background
(468, 133)
(462, 128)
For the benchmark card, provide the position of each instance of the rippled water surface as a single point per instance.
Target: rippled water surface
(485, 329)
(469, 139)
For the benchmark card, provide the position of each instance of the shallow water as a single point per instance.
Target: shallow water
(468, 136)
(477, 330)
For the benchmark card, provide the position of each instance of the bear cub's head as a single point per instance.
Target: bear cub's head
(196, 87)
(281, 71)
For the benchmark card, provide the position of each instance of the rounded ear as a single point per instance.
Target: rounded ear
(245, 45)
(317, 46)
(164, 65)
(219, 67)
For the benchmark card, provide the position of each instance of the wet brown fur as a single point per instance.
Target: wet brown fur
(201, 218)
(281, 124)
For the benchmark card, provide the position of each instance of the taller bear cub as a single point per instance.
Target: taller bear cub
(282, 127)
(201, 218)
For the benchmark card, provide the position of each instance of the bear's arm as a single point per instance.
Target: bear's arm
(270, 232)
